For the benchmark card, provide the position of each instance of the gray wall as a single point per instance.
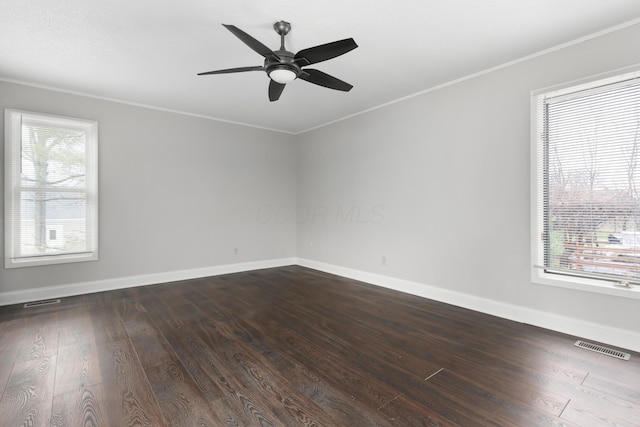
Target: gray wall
(176, 192)
(439, 186)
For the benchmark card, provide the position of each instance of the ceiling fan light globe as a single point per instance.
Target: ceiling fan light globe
(282, 75)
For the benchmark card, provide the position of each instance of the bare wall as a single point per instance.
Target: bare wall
(176, 192)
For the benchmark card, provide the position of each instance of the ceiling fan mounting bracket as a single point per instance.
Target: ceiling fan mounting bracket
(282, 27)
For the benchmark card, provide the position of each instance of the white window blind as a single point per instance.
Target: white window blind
(588, 219)
(50, 189)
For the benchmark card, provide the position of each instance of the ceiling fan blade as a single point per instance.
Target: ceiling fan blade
(234, 70)
(323, 52)
(275, 90)
(323, 79)
(251, 42)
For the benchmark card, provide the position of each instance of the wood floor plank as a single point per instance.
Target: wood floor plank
(12, 332)
(323, 376)
(179, 398)
(129, 398)
(597, 392)
(29, 393)
(85, 406)
(231, 399)
(259, 379)
(348, 340)
(182, 326)
(292, 407)
(303, 380)
(269, 329)
(106, 322)
(537, 388)
(461, 395)
(7, 359)
(177, 394)
(403, 411)
(74, 322)
(625, 389)
(586, 415)
(10, 339)
(39, 339)
(78, 367)
(78, 364)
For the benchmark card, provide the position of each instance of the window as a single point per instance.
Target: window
(586, 204)
(51, 200)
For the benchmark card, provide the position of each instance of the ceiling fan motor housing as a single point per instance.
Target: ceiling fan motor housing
(285, 62)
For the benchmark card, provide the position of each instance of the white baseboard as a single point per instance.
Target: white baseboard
(60, 291)
(623, 338)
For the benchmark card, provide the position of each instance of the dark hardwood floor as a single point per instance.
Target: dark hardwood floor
(292, 346)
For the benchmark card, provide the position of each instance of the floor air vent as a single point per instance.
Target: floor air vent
(604, 350)
(41, 303)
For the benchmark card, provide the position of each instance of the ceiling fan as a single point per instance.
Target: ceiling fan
(283, 66)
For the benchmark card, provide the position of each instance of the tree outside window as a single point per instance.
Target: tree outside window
(52, 192)
(589, 143)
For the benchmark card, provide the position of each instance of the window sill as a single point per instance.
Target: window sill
(539, 276)
(50, 260)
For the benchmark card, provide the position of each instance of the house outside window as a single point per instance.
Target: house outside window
(51, 200)
(586, 185)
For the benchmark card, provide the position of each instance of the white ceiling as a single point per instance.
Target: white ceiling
(149, 51)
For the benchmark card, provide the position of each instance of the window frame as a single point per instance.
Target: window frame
(540, 275)
(13, 188)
